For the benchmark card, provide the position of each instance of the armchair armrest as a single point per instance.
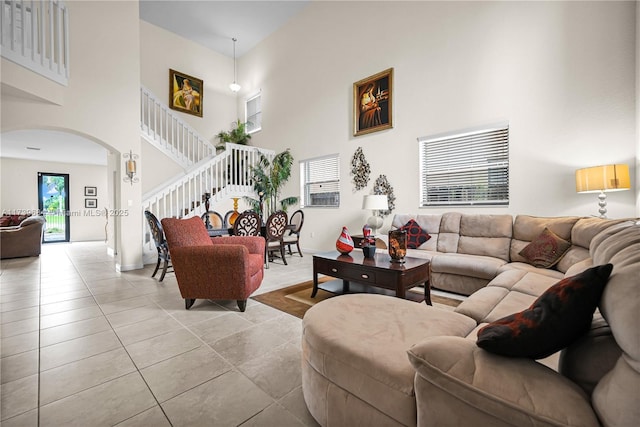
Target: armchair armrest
(254, 244)
(458, 382)
(199, 266)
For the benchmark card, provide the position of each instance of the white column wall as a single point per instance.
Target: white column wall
(100, 103)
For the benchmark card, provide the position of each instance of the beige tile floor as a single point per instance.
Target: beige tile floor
(84, 345)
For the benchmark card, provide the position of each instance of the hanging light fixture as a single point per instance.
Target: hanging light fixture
(130, 167)
(235, 87)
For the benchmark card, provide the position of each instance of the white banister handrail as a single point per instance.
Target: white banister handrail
(169, 133)
(225, 175)
(35, 35)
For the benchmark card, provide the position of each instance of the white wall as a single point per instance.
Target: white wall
(19, 191)
(100, 103)
(562, 74)
(161, 50)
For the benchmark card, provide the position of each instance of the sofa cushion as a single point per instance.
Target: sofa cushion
(526, 228)
(545, 250)
(416, 236)
(558, 317)
(429, 223)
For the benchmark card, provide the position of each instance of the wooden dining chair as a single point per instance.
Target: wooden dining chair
(247, 224)
(274, 232)
(157, 233)
(212, 220)
(292, 236)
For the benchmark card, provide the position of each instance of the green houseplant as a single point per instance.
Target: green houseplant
(237, 135)
(269, 177)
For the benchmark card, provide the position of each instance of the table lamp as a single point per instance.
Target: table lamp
(375, 203)
(601, 179)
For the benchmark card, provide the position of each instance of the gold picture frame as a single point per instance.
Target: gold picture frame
(373, 103)
(185, 93)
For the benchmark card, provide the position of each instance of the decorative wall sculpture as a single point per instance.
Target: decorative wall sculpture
(382, 186)
(360, 169)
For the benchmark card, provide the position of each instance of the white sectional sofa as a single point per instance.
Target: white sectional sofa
(381, 361)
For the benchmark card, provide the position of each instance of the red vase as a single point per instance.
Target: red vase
(344, 244)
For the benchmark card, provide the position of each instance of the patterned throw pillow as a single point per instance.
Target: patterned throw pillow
(556, 319)
(415, 234)
(545, 250)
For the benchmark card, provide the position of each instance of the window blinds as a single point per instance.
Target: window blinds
(465, 168)
(320, 182)
(254, 113)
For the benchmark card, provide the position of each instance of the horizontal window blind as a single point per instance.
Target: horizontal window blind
(465, 168)
(320, 183)
(253, 111)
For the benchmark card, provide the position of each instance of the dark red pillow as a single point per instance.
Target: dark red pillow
(5, 221)
(545, 250)
(415, 234)
(558, 317)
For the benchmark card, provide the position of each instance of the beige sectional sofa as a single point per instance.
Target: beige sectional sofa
(376, 361)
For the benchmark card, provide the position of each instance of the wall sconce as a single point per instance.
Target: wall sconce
(130, 167)
(600, 179)
(376, 203)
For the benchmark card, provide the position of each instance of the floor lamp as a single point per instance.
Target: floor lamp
(601, 179)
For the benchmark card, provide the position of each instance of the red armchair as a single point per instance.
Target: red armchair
(229, 267)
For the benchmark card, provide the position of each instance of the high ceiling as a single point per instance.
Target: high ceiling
(210, 23)
(214, 23)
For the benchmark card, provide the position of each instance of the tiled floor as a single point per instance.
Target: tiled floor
(83, 345)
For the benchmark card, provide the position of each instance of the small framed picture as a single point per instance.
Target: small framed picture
(90, 203)
(185, 93)
(372, 103)
(90, 191)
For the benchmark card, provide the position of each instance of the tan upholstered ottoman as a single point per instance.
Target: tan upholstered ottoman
(355, 369)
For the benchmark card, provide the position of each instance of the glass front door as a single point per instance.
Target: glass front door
(53, 202)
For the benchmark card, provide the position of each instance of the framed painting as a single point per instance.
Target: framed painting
(373, 103)
(90, 191)
(185, 93)
(90, 203)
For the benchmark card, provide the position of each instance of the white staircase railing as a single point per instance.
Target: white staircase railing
(170, 134)
(224, 176)
(35, 35)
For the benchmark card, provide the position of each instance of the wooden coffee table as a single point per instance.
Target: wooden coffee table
(372, 275)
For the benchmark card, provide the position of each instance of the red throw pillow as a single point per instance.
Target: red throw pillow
(545, 250)
(415, 234)
(557, 318)
(5, 221)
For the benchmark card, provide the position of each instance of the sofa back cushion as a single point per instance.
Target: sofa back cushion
(615, 398)
(485, 235)
(429, 223)
(449, 232)
(581, 234)
(526, 228)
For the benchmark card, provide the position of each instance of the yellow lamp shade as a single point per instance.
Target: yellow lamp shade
(603, 178)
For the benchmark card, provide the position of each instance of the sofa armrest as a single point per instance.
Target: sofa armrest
(255, 244)
(458, 382)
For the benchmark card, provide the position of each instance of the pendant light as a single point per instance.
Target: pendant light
(235, 87)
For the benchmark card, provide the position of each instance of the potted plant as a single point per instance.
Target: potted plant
(269, 177)
(237, 135)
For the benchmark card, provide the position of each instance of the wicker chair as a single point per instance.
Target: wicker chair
(161, 245)
(293, 236)
(219, 268)
(275, 228)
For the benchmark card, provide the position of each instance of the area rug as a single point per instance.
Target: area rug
(296, 299)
